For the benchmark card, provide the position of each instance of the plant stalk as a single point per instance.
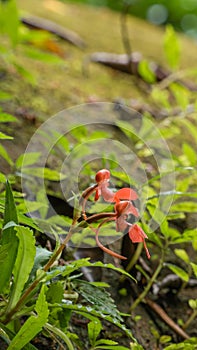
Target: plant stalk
(190, 319)
(149, 284)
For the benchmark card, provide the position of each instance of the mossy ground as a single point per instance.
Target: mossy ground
(75, 80)
(64, 84)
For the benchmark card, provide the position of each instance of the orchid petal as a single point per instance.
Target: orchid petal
(125, 194)
(106, 193)
(102, 175)
(97, 194)
(137, 235)
(125, 208)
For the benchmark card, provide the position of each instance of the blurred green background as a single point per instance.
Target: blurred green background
(182, 14)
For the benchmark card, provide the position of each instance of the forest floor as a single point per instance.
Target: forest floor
(75, 80)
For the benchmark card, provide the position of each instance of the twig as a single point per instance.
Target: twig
(54, 28)
(125, 34)
(164, 316)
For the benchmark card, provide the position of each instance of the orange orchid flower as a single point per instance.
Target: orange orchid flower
(123, 208)
(101, 188)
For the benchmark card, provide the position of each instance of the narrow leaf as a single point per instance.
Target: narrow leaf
(172, 47)
(24, 263)
(27, 159)
(94, 328)
(182, 254)
(46, 173)
(33, 325)
(190, 153)
(194, 267)
(8, 237)
(178, 271)
(10, 20)
(4, 154)
(5, 137)
(6, 118)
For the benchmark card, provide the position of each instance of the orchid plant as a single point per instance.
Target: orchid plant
(123, 207)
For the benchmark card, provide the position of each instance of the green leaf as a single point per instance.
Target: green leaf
(9, 20)
(42, 256)
(181, 253)
(165, 339)
(8, 238)
(5, 137)
(55, 293)
(194, 267)
(4, 251)
(190, 153)
(189, 344)
(27, 159)
(42, 56)
(161, 97)
(94, 329)
(46, 173)
(193, 303)
(88, 312)
(187, 236)
(112, 347)
(31, 206)
(106, 342)
(25, 220)
(135, 346)
(33, 325)
(186, 207)
(178, 271)
(146, 72)
(60, 334)
(25, 73)
(181, 95)
(85, 263)
(172, 47)
(191, 128)
(24, 263)
(6, 118)
(5, 96)
(10, 335)
(4, 154)
(2, 178)
(100, 299)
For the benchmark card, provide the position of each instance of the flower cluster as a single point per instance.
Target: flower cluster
(123, 207)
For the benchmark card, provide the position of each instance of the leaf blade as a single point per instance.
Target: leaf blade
(33, 325)
(24, 263)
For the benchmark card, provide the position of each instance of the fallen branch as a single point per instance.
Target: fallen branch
(130, 64)
(127, 64)
(54, 28)
(164, 316)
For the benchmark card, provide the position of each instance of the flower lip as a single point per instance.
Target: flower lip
(125, 208)
(102, 175)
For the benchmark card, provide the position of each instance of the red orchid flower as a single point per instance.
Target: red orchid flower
(122, 211)
(101, 189)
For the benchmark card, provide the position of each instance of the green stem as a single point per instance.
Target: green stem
(149, 284)
(58, 251)
(60, 334)
(133, 260)
(190, 319)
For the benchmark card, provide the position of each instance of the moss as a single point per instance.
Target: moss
(64, 84)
